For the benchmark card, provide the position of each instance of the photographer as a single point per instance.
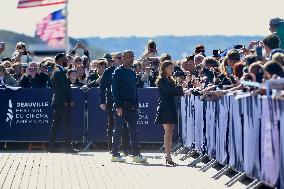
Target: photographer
(21, 54)
(200, 49)
(151, 50)
(80, 45)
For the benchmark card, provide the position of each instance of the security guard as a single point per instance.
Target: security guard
(62, 102)
(106, 103)
(124, 92)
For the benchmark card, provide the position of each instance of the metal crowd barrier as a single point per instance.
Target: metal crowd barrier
(245, 135)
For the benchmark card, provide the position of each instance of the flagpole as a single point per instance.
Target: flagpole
(66, 28)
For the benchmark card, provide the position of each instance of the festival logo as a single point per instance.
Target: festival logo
(143, 117)
(27, 113)
(10, 115)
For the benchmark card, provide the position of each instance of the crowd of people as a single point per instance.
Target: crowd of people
(237, 69)
(207, 76)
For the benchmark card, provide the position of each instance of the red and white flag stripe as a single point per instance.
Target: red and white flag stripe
(38, 3)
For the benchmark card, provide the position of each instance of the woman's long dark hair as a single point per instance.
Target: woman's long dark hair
(162, 72)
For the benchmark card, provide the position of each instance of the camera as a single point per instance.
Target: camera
(179, 74)
(238, 46)
(258, 53)
(209, 74)
(216, 53)
(24, 52)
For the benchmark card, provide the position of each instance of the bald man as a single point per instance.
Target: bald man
(124, 92)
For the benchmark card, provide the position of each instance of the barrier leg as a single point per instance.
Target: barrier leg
(254, 185)
(182, 150)
(88, 146)
(178, 150)
(236, 178)
(185, 150)
(177, 147)
(189, 154)
(161, 149)
(222, 172)
(198, 160)
(210, 164)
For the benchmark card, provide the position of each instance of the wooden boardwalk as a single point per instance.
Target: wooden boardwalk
(95, 171)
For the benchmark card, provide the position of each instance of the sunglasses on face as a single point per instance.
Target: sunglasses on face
(118, 58)
(78, 60)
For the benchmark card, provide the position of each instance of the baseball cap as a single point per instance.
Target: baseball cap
(275, 21)
(107, 56)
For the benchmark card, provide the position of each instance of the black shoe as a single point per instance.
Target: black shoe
(71, 151)
(170, 162)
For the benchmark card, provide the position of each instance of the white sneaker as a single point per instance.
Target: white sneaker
(117, 159)
(139, 159)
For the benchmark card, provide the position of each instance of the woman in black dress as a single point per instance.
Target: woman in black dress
(166, 111)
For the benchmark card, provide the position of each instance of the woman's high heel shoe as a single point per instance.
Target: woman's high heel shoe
(170, 162)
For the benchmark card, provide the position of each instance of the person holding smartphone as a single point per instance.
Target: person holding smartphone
(21, 54)
(151, 50)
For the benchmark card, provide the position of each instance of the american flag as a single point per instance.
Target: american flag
(38, 3)
(52, 29)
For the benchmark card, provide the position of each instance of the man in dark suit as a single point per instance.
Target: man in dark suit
(62, 102)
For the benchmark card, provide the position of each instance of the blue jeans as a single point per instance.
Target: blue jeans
(129, 116)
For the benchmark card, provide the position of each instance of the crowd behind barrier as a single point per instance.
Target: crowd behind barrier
(26, 116)
(245, 133)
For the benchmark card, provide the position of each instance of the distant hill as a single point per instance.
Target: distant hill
(12, 38)
(177, 46)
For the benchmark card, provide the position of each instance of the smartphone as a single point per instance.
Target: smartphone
(2, 45)
(238, 47)
(216, 53)
(258, 53)
(49, 69)
(148, 69)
